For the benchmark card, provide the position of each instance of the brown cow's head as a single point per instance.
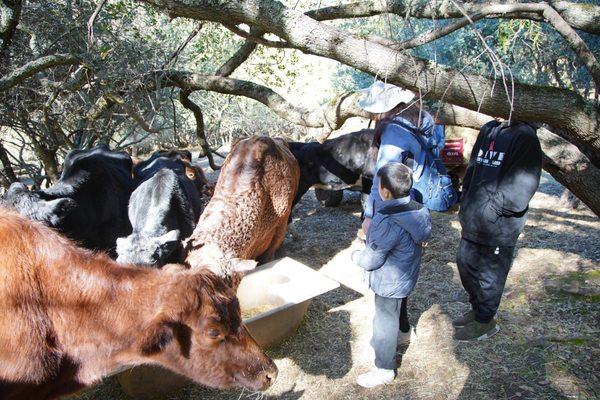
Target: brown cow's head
(210, 256)
(196, 175)
(199, 333)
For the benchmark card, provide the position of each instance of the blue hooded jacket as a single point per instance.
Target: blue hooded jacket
(394, 244)
(396, 142)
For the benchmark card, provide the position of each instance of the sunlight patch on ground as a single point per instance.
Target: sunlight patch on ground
(431, 360)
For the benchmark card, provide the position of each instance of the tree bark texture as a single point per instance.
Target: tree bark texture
(7, 169)
(33, 67)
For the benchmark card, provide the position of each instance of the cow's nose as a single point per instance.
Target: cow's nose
(271, 376)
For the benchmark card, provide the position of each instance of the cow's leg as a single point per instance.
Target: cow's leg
(278, 238)
(291, 228)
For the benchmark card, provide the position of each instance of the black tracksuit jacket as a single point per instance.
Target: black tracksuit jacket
(502, 176)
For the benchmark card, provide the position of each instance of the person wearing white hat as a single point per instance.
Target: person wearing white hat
(396, 116)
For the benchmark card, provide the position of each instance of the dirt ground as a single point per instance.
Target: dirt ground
(547, 348)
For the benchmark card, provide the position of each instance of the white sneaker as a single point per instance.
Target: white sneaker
(376, 377)
(404, 337)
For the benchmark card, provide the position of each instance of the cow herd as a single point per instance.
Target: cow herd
(70, 314)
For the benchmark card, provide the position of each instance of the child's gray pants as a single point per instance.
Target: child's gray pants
(390, 316)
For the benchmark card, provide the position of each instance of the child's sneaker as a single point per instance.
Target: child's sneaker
(376, 377)
(405, 337)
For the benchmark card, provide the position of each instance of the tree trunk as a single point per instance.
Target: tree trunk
(47, 158)
(571, 168)
(7, 170)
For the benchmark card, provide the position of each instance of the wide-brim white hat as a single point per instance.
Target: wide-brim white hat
(381, 97)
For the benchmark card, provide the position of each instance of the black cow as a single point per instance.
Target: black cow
(163, 210)
(341, 163)
(89, 201)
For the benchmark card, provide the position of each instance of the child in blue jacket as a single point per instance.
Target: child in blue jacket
(392, 257)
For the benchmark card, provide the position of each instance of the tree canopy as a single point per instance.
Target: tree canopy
(75, 72)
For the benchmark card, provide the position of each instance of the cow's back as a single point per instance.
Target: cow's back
(252, 199)
(164, 202)
(148, 170)
(100, 183)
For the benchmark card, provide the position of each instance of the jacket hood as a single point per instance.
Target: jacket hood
(413, 217)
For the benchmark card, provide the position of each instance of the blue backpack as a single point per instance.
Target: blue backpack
(434, 187)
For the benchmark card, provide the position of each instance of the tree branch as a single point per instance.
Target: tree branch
(575, 41)
(184, 99)
(35, 66)
(426, 37)
(546, 11)
(435, 34)
(92, 20)
(560, 108)
(256, 39)
(181, 47)
(585, 17)
(132, 113)
(10, 14)
(330, 116)
(240, 55)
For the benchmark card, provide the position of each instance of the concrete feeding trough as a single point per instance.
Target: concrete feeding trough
(274, 298)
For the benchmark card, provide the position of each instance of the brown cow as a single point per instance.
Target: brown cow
(196, 175)
(248, 213)
(68, 317)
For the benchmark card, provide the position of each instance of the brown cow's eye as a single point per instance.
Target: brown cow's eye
(213, 333)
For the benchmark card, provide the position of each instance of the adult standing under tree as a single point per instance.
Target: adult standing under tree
(502, 177)
(395, 117)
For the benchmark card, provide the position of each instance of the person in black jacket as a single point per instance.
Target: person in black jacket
(502, 176)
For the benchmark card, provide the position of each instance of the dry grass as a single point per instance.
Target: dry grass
(322, 360)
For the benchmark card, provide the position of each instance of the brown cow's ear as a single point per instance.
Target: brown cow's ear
(190, 172)
(156, 337)
(241, 265)
(233, 280)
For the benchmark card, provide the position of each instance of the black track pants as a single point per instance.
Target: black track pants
(483, 275)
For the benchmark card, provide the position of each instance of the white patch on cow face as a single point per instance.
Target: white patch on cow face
(145, 250)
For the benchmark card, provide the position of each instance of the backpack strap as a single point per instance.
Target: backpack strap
(416, 132)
